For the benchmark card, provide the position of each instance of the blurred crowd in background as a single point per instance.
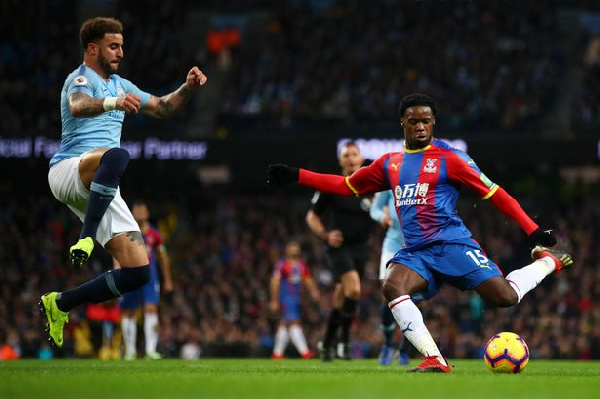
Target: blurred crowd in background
(491, 66)
(224, 252)
(324, 64)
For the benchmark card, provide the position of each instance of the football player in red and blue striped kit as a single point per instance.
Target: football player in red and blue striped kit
(286, 283)
(425, 179)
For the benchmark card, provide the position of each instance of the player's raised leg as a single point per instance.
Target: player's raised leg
(399, 284)
(129, 250)
(509, 291)
(100, 172)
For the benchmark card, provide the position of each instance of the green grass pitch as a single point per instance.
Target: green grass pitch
(288, 379)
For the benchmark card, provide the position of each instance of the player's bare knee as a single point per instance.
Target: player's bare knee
(512, 298)
(507, 298)
(150, 308)
(391, 289)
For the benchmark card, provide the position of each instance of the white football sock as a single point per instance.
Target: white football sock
(528, 277)
(151, 331)
(281, 340)
(129, 331)
(411, 323)
(298, 339)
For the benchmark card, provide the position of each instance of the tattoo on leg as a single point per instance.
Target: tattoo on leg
(136, 237)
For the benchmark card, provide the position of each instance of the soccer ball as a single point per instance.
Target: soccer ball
(506, 352)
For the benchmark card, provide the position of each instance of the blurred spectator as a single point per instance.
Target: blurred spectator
(494, 66)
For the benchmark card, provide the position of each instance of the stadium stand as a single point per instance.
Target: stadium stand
(224, 253)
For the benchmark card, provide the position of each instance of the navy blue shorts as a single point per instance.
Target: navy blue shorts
(290, 311)
(461, 263)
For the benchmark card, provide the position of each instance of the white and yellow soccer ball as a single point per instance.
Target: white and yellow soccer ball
(506, 352)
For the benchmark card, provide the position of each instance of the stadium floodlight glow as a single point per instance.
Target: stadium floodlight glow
(373, 148)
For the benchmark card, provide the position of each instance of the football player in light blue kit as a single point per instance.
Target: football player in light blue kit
(85, 172)
(382, 203)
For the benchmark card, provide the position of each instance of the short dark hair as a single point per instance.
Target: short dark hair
(349, 143)
(416, 99)
(138, 201)
(94, 29)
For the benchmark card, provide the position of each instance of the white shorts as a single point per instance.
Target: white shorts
(66, 185)
(385, 256)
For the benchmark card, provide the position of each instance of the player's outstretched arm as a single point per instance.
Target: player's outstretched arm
(280, 174)
(511, 208)
(464, 170)
(166, 106)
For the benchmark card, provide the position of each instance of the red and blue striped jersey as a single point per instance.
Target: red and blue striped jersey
(290, 275)
(425, 184)
(153, 241)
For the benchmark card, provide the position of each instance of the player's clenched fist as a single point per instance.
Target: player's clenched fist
(130, 103)
(196, 78)
(280, 174)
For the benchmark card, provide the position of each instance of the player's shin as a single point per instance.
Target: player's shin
(332, 327)
(151, 332)
(129, 331)
(410, 320)
(298, 339)
(281, 340)
(109, 285)
(349, 308)
(528, 277)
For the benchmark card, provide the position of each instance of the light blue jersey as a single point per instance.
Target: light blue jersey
(80, 135)
(394, 240)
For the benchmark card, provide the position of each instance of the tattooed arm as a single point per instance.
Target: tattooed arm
(166, 106)
(83, 106)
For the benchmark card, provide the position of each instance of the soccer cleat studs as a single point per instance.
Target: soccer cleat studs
(562, 260)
